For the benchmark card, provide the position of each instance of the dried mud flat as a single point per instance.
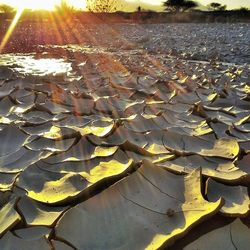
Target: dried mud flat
(119, 147)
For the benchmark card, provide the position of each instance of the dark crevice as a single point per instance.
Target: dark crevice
(170, 196)
(231, 237)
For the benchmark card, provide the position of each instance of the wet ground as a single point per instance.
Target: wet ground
(132, 141)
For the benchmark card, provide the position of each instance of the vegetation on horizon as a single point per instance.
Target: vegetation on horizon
(109, 6)
(5, 8)
(105, 6)
(179, 5)
(64, 8)
(217, 7)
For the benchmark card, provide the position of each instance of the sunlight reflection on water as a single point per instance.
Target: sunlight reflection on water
(29, 65)
(76, 48)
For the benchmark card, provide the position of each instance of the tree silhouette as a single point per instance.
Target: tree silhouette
(4, 8)
(243, 9)
(103, 5)
(217, 7)
(179, 5)
(64, 7)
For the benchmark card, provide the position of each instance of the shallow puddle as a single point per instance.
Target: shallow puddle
(28, 64)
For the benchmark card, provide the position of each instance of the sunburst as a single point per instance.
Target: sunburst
(33, 5)
(44, 5)
(11, 29)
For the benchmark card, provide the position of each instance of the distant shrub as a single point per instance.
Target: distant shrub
(104, 6)
(243, 10)
(179, 5)
(64, 7)
(217, 7)
(5, 8)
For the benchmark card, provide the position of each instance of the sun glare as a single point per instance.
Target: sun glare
(44, 4)
(34, 5)
(11, 29)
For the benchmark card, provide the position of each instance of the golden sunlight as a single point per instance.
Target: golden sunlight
(34, 5)
(45, 4)
(11, 29)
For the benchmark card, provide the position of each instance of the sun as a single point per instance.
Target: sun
(21, 5)
(43, 4)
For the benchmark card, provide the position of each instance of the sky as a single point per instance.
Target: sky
(230, 3)
(130, 5)
(41, 4)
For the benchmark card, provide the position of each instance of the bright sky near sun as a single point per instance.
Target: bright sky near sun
(42, 4)
(49, 4)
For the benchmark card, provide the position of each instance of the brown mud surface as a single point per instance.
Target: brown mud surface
(125, 137)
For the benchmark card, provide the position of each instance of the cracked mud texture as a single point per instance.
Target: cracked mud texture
(143, 137)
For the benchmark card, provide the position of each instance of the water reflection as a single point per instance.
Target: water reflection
(28, 64)
(80, 48)
(76, 48)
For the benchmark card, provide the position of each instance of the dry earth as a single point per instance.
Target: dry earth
(136, 138)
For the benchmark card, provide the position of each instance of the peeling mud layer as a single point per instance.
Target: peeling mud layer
(139, 142)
